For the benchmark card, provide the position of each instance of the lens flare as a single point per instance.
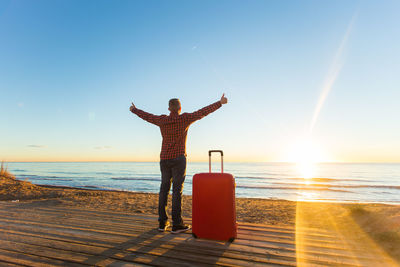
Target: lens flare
(332, 74)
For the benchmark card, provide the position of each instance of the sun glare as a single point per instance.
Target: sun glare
(305, 154)
(306, 170)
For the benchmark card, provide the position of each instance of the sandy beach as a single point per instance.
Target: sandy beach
(379, 222)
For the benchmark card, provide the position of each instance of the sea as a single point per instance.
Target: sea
(330, 182)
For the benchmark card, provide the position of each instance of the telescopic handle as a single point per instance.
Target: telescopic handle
(222, 159)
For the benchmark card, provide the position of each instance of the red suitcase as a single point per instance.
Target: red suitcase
(213, 204)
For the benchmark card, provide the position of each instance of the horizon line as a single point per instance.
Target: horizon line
(202, 161)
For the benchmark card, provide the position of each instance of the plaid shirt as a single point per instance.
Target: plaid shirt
(174, 128)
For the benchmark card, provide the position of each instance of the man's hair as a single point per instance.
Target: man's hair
(174, 104)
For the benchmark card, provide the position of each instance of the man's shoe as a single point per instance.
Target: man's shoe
(180, 228)
(163, 226)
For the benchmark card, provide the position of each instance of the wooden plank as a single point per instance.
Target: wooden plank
(266, 243)
(252, 226)
(293, 259)
(280, 242)
(278, 246)
(207, 251)
(114, 240)
(96, 256)
(154, 246)
(7, 264)
(119, 215)
(91, 212)
(43, 252)
(278, 234)
(252, 246)
(242, 234)
(151, 218)
(22, 259)
(72, 257)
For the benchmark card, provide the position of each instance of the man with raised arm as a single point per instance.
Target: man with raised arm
(174, 128)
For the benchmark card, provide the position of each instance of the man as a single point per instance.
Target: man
(173, 156)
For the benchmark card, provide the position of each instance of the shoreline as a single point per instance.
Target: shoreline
(94, 188)
(253, 210)
(357, 184)
(105, 190)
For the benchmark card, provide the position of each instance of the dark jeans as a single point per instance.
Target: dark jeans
(172, 170)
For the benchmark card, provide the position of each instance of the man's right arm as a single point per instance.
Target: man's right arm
(145, 115)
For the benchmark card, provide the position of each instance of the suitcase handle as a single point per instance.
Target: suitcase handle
(222, 159)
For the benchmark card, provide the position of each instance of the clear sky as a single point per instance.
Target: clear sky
(323, 71)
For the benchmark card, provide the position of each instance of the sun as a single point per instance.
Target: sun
(306, 170)
(305, 153)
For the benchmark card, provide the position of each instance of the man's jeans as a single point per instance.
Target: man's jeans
(172, 170)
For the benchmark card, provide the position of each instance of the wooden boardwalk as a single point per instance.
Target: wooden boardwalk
(37, 235)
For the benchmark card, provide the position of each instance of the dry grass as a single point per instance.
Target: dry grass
(13, 189)
(382, 225)
(366, 224)
(4, 172)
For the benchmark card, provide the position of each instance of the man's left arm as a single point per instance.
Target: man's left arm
(197, 115)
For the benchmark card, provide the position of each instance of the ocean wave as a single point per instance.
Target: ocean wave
(66, 172)
(38, 176)
(324, 179)
(48, 179)
(317, 179)
(135, 179)
(27, 175)
(292, 188)
(18, 170)
(291, 178)
(255, 178)
(90, 186)
(34, 176)
(370, 186)
(339, 186)
(306, 184)
(64, 180)
(108, 173)
(263, 174)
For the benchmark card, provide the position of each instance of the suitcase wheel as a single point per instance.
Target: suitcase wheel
(194, 235)
(231, 239)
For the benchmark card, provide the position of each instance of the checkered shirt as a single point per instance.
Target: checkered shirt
(174, 128)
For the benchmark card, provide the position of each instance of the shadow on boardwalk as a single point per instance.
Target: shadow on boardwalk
(161, 249)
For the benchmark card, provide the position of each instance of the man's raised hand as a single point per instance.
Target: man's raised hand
(132, 107)
(223, 100)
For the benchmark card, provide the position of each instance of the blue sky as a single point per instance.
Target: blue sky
(69, 70)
